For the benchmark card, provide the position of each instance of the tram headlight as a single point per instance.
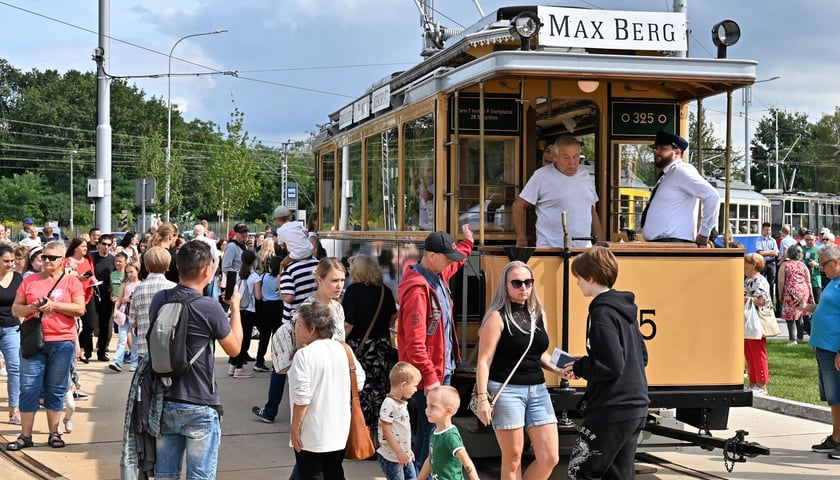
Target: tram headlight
(525, 26)
(725, 34)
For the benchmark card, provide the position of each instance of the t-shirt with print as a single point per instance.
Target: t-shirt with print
(395, 412)
(208, 323)
(57, 326)
(116, 283)
(442, 460)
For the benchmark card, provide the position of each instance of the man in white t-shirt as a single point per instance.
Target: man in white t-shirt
(556, 188)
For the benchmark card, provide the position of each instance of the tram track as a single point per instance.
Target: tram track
(25, 467)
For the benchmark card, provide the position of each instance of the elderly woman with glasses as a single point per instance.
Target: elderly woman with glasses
(57, 298)
(825, 339)
(794, 286)
(514, 328)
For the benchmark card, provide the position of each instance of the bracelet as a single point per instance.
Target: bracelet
(482, 393)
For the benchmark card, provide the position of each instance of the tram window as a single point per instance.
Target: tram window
(800, 207)
(499, 179)
(328, 190)
(354, 202)
(743, 227)
(754, 227)
(754, 212)
(420, 165)
(382, 163)
(637, 177)
(733, 210)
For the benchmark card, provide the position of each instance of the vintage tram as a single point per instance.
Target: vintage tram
(454, 139)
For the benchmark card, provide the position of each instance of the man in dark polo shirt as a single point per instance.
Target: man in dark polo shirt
(190, 421)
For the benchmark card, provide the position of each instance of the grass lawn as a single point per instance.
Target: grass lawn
(793, 372)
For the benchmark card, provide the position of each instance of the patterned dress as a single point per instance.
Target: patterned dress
(797, 288)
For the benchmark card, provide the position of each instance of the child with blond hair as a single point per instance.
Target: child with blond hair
(448, 459)
(395, 455)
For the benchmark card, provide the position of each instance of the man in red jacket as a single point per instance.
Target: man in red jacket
(426, 335)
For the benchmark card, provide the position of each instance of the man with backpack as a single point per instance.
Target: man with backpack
(190, 420)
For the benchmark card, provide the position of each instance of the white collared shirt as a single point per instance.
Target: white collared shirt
(673, 211)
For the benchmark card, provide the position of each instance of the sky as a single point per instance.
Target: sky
(300, 60)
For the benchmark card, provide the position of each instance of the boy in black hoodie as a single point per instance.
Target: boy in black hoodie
(616, 401)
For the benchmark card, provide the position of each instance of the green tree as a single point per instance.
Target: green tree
(233, 174)
(25, 196)
(794, 148)
(713, 150)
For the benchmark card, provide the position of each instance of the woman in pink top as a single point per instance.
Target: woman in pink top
(794, 287)
(48, 370)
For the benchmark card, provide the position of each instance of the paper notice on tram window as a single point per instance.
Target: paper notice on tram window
(561, 358)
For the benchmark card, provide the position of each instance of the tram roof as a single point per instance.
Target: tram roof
(487, 49)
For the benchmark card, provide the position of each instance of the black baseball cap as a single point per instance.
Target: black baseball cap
(240, 228)
(442, 242)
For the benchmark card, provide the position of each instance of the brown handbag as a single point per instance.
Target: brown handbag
(359, 444)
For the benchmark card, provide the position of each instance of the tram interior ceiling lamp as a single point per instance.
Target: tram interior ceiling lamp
(525, 26)
(725, 34)
(588, 86)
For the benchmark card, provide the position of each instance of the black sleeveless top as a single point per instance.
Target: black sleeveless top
(514, 339)
(7, 298)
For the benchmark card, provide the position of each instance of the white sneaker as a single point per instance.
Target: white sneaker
(758, 391)
(132, 368)
(231, 369)
(242, 373)
(68, 425)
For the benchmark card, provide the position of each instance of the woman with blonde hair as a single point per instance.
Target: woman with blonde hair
(266, 251)
(368, 308)
(512, 348)
(165, 237)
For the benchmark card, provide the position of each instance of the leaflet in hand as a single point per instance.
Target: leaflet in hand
(561, 358)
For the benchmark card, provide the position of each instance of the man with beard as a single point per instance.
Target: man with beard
(671, 212)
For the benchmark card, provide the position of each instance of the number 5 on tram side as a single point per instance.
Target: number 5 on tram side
(455, 138)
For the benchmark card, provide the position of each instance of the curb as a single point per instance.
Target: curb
(792, 408)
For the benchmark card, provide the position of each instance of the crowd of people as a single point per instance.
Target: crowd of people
(262, 281)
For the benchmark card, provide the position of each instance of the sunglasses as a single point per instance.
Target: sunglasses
(107, 244)
(528, 283)
(51, 258)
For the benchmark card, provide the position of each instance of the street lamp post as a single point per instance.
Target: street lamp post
(747, 101)
(72, 231)
(169, 108)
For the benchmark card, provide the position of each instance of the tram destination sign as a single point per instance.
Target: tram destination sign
(501, 114)
(642, 118)
(612, 29)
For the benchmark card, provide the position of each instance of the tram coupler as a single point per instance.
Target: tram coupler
(735, 449)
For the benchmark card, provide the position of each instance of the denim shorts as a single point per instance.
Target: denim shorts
(191, 429)
(829, 377)
(521, 406)
(46, 375)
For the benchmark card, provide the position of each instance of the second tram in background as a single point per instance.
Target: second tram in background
(456, 137)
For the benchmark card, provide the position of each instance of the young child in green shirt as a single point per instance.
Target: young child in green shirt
(448, 459)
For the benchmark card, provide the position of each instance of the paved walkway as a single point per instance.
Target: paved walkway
(251, 448)
(255, 450)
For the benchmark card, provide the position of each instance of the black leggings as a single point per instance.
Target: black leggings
(247, 326)
(270, 317)
(89, 319)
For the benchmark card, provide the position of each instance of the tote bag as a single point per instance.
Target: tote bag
(752, 322)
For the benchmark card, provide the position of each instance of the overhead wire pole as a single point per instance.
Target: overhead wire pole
(284, 173)
(102, 192)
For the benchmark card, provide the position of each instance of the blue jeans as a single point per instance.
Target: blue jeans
(395, 471)
(192, 428)
(46, 371)
(119, 354)
(275, 394)
(424, 428)
(10, 346)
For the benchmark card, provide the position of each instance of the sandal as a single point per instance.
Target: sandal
(55, 440)
(17, 445)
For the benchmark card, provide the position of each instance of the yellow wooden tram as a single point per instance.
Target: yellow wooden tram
(455, 138)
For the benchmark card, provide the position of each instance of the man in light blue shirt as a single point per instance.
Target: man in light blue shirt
(767, 248)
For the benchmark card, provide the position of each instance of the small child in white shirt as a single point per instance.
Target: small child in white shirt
(395, 455)
(293, 236)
